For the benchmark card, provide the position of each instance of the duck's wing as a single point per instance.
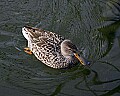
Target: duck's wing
(46, 45)
(47, 40)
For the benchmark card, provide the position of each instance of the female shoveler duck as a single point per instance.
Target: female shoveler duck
(52, 49)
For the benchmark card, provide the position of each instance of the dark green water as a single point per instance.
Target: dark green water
(93, 25)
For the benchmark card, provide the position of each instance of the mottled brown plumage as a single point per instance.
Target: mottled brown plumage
(51, 49)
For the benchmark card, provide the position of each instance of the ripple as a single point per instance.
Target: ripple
(81, 21)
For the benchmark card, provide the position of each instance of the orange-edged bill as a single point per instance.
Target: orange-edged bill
(81, 59)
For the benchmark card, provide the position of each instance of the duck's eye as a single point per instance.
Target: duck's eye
(69, 49)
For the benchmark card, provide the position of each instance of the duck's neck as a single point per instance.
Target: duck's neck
(71, 59)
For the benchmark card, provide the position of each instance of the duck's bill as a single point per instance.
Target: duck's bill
(81, 59)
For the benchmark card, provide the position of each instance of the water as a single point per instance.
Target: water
(94, 26)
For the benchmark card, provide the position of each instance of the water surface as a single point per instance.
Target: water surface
(93, 25)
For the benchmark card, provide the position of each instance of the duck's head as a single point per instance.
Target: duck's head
(68, 50)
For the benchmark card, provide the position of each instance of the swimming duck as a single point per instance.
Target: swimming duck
(52, 49)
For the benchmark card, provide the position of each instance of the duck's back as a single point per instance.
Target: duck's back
(45, 46)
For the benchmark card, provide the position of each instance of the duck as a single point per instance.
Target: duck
(52, 49)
